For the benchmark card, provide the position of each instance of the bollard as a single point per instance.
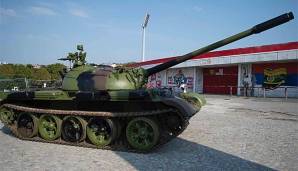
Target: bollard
(286, 93)
(231, 90)
(264, 93)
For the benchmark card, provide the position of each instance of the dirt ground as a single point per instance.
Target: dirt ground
(229, 133)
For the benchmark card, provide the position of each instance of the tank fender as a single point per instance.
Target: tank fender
(195, 99)
(186, 109)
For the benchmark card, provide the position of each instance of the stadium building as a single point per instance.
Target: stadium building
(269, 70)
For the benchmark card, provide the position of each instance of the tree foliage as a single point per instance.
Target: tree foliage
(54, 70)
(49, 72)
(7, 71)
(41, 74)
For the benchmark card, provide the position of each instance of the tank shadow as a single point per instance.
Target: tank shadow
(181, 154)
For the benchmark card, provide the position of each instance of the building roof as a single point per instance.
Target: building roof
(229, 52)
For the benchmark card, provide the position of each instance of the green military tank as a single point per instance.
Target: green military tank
(109, 108)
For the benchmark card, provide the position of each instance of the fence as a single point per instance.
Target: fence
(282, 91)
(23, 83)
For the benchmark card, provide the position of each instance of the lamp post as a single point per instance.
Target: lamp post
(144, 25)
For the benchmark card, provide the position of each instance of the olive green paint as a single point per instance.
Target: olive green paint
(195, 99)
(126, 79)
(142, 133)
(49, 127)
(51, 95)
(70, 82)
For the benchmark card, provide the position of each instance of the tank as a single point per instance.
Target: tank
(110, 107)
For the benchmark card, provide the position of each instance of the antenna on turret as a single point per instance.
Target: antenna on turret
(77, 58)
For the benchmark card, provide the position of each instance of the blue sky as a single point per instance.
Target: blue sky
(41, 31)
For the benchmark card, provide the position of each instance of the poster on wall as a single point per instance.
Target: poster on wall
(246, 80)
(176, 77)
(154, 81)
(274, 78)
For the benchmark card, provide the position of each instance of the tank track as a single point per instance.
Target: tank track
(120, 144)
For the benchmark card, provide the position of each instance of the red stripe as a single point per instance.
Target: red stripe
(230, 52)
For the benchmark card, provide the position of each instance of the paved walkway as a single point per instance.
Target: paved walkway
(229, 133)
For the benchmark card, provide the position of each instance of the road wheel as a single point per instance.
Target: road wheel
(27, 125)
(142, 133)
(6, 116)
(74, 128)
(101, 132)
(49, 127)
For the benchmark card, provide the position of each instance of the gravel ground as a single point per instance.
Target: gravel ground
(229, 133)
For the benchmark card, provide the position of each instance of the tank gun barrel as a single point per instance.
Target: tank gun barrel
(64, 59)
(254, 30)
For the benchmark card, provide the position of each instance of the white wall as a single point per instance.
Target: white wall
(246, 58)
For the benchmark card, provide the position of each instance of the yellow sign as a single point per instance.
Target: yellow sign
(273, 78)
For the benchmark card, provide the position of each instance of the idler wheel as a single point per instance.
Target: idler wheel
(27, 125)
(101, 132)
(142, 133)
(174, 124)
(49, 127)
(6, 115)
(74, 128)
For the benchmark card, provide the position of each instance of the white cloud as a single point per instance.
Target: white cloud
(45, 4)
(78, 13)
(7, 12)
(197, 9)
(38, 10)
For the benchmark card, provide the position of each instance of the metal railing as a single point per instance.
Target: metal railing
(27, 84)
(282, 91)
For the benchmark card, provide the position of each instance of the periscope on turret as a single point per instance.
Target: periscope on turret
(110, 107)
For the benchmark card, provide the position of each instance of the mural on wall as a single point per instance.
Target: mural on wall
(246, 77)
(179, 78)
(154, 81)
(273, 78)
(275, 75)
(176, 77)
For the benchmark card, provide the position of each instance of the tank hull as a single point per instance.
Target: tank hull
(170, 115)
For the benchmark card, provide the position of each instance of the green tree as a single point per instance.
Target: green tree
(22, 71)
(41, 74)
(27, 71)
(54, 70)
(30, 66)
(7, 71)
